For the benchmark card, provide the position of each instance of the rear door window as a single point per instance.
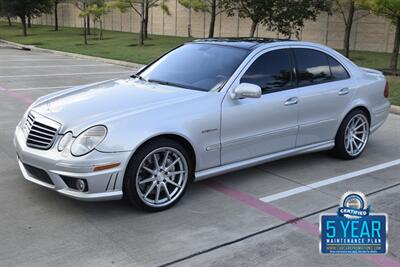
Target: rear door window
(312, 66)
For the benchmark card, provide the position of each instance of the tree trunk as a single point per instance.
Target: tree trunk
(253, 28)
(29, 21)
(212, 19)
(56, 15)
(9, 21)
(146, 19)
(88, 24)
(145, 30)
(85, 31)
(101, 29)
(95, 27)
(84, 26)
(190, 22)
(23, 21)
(348, 27)
(141, 36)
(396, 48)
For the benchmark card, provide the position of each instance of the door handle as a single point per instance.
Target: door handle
(292, 101)
(344, 91)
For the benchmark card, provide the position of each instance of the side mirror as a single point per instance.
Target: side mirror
(246, 90)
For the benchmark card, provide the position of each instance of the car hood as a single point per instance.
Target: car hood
(94, 104)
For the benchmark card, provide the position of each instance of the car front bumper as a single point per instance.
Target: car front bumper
(53, 169)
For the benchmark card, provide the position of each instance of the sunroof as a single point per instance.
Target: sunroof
(242, 42)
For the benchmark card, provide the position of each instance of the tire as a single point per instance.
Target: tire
(144, 179)
(348, 147)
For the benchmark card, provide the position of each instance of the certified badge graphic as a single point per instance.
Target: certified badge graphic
(354, 205)
(353, 229)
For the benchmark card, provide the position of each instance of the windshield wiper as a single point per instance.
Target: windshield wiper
(137, 76)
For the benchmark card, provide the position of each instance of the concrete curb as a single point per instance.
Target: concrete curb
(105, 60)
(395, 109)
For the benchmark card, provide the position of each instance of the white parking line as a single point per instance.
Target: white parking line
(40, 88)
(329, 181)
(53, 66)
(64, 74)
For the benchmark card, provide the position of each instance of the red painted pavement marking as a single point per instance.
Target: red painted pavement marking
(382, 260)
(21, 98)
(302, 224)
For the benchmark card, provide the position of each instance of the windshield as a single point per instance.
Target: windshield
(204, 67)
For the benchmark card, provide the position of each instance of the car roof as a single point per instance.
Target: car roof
(244, 43)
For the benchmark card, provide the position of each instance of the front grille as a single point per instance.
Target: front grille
(40, 131)
(38, 174)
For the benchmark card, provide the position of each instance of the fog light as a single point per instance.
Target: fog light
(80, 185)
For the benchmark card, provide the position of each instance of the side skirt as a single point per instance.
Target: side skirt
(204, 174)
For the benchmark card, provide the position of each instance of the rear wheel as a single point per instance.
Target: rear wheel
(353, 135)
(158, 175)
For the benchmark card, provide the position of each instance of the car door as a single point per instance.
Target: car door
(256, 127)
(324, 92)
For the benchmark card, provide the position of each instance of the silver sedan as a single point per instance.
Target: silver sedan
(205, 108)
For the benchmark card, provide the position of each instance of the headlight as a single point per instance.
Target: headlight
(88, 140)
(64, 141)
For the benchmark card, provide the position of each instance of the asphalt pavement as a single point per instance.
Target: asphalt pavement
(254, 217)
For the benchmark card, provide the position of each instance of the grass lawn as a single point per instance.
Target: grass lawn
(116, 45)
(379, 61)
(394, 83)
(123, 46)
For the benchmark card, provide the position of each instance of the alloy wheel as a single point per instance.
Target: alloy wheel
(161, 177)
(356, 135)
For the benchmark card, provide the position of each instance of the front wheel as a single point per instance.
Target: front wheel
(158, 175)
(353, 135)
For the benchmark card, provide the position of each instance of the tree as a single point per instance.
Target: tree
(29, 8)
(5, 10)
(210, 6)
(284, 16)
(138, 6)
(289, 16)
(56, 2)
(213, 16)
(29, 20)
(148, 5)
(196, 5)
(391, 10)
(98, 10)
(88, 24)
(256, 10)
(83, 5)
(347, 9)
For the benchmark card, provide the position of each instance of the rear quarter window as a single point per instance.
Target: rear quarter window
(337, 70)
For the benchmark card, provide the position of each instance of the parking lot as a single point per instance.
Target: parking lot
(263, 216)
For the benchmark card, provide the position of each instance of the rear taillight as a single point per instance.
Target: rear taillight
(386, 92)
